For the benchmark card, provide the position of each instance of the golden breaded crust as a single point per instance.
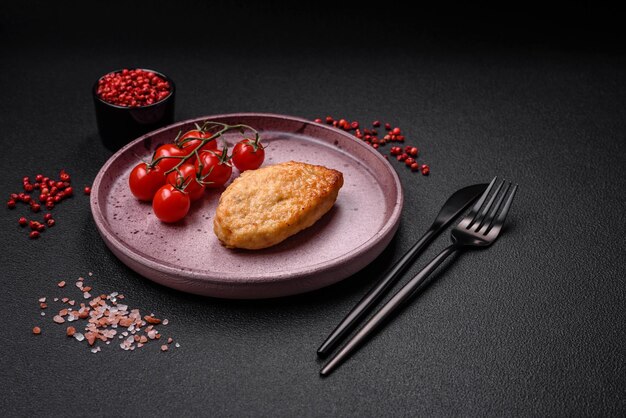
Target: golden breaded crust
(265, 206)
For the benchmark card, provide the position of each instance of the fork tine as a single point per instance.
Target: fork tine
(485, 224)
(472, 214)
(502, 216)
(480, 218)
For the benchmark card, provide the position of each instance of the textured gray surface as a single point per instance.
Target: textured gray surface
(534, 325)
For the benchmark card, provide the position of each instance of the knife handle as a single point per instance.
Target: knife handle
(375, 294)
(396, 301)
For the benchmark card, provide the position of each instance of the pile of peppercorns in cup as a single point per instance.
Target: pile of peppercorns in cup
(51, 193)
(407, 155)
(133, 88)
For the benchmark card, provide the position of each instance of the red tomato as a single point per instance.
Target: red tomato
(170, 204)
(191, 144)
(215, 168)
(169, 150)
(144, 181)
(248, 155)
(189, 176)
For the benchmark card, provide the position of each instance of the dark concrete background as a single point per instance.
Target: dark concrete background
(534, 325)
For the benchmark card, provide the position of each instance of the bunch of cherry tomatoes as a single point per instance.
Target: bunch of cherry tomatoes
(181, 171)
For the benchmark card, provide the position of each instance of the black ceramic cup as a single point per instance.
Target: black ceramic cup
(118, 125)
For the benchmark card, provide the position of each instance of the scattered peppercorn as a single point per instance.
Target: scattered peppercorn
(408, 154)
(51, 193)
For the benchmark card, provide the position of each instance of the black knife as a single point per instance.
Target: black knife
(454, 206)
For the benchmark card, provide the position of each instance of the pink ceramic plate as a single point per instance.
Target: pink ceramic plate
(187, 255)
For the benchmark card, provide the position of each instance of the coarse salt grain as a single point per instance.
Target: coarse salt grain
(103, 314)
(164, 347)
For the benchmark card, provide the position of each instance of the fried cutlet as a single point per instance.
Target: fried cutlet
(265, 206)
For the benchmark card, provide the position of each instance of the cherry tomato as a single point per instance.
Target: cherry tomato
(191, 144)
(145, 181)
(215, 168)
(188, 172)
(187, 146)
(169, 150)
(248, 155)
(170, 204)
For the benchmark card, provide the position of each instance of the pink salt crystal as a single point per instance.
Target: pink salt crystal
(164, 347)
(58, 319)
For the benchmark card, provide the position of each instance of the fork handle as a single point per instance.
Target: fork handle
(402, 296)
(375, 294)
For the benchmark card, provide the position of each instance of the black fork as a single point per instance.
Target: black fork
(479, 228)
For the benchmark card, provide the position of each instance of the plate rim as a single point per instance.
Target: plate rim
(388, 229)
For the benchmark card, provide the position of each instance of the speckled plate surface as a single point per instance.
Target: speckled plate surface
(187, 255)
